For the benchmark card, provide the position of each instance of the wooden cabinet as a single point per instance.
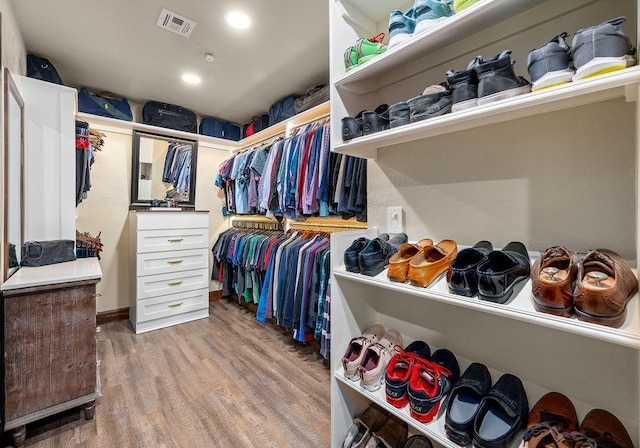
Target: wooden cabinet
(170, 252)
(49, 342)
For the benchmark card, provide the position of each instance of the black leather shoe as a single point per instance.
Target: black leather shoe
(503, 269)
(464, 402)
(351, 254)
(374, 258)
(375, 121)
(352, 127)
(502, 414)
(417, 441)
(462, 276)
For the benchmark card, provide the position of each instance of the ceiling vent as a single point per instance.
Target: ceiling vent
(175, 23)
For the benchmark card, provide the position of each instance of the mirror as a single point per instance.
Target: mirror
(13, 175)
(164, 169)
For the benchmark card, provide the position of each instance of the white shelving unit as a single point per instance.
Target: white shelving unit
(558, 166)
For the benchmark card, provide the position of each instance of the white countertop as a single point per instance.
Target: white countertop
(71, 271)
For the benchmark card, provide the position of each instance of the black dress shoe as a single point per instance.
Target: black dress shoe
(374, 258)
(352, 127)
(502, 414)
(375, 121)
(417, 441)
(462, 276)
(464, 402)
(503, 269)
(351, 263)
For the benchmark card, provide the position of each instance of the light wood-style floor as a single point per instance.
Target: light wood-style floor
(225, 381)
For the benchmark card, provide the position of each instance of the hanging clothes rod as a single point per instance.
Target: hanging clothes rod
(330, 225)
(323, 117)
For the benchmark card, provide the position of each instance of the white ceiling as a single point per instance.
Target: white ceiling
(115, 45)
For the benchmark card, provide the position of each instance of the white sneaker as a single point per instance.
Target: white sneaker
(357, 349)
(375, 361)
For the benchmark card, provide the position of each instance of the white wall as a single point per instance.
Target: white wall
(14, 53)
(106, 209)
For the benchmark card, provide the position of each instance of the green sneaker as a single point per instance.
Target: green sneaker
(350, 58)
(459, 5)
(368, 49)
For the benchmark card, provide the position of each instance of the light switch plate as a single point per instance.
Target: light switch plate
(395, 221)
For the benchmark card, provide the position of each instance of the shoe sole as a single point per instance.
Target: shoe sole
(399, 39)
(562, 312)
(374, 272)
(377, 384)
(427, 24)
(442, 111)
(553, 79)
(600, 66)
(503, 95)
(504, 298)
(614, 321)
(464, 105)
(427, 417)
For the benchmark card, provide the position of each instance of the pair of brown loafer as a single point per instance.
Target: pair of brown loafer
(422, 262)
(553, 423)
(597, 288)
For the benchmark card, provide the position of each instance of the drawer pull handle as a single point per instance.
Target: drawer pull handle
(175, 261)
(175, 305)
(179, 282)
(175, 240)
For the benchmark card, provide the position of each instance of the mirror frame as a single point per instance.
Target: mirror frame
(135, 167)
(11, 91)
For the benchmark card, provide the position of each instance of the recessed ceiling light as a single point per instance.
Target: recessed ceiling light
(238, 20)
(190, 78)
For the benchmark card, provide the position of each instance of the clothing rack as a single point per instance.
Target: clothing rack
(322, 119)
(258, 224)
(329, 227)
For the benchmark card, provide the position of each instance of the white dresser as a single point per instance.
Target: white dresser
(170, 258)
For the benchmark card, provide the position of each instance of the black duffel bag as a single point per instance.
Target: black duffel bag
(169, 116)
(42, 253)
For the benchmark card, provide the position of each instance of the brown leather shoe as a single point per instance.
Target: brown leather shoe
(551, 417)
(605, 286)
(399, 262)
(552, 277)
(431, 262)
(600, 428)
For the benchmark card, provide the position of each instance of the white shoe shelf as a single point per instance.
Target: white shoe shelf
(568, 174)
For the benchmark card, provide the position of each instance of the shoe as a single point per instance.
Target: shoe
(375, 361)
(436, 100)
(367, 49)
(401, 26)
(497, 80)
(503, 269)
(363, 427)
(399, 114)
(464, 402)
(375, 121)
(399, 371)
(393, 434)
(418, 441)
(602, 49)
(430, 382)
(549, 66)
(461, 5)
(357, 348)
(604, 286)
(399, 262)
(351, 263)
(374, 258)
(553, 276)
(464, 86)
(350, 58)
(431, 262)
(551, 417)
(600, 428)
(352, 127)
(428, 13)
(502, 414)
(462, 277)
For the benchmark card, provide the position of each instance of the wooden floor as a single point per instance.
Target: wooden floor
(225, 381)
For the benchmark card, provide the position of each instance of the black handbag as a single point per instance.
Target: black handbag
(42, 253)
(169, 116)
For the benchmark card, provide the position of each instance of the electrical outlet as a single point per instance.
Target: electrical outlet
(395, 222)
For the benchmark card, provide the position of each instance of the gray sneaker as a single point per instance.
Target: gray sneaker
(497, 80)
(602, 49)
(434, 101)
(549, 66)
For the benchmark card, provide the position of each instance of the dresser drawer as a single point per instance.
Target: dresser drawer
(170, 283)
(171, 220)
(172, 239)
(152, 263)
(172, 304)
